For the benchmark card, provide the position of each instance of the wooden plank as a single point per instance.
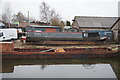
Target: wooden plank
(59, 50)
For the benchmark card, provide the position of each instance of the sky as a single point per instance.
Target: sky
(67, 9)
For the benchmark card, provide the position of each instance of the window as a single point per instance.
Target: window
(1, 34)
(93, 34)
(85, 34)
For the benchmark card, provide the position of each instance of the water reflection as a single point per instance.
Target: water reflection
(88, 66)
(61, 71)
(80, 66)
(43, 66)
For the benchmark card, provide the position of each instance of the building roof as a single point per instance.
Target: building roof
(1, 24)
(24, 24)
(96, 22)
(45, 26)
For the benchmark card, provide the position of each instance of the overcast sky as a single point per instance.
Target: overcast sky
(66, 8)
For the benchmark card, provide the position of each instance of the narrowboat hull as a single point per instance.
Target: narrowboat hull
(47, 41)
(36, 39)
(69, 54)
(62, 38)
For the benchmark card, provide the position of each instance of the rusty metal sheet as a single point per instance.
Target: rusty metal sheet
(6, 46)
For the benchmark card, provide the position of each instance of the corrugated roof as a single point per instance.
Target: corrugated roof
(98, 22)
(45, 26)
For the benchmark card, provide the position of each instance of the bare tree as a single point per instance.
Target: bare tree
(0, 10)
(47, 14)
(19, 17)
(55, 21)
(44, 12)
(7, 14)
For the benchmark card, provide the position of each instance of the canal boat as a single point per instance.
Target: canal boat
(9, 52)
(63, 38)
(54, 35)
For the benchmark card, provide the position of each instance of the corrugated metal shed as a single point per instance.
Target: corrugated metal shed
(43, 28)
(95, 22)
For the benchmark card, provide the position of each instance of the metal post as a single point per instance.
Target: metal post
(28, 19)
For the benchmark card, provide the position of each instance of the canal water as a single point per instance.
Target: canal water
(62, 71)
(62, 68)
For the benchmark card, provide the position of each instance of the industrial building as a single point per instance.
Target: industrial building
(108, 26)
